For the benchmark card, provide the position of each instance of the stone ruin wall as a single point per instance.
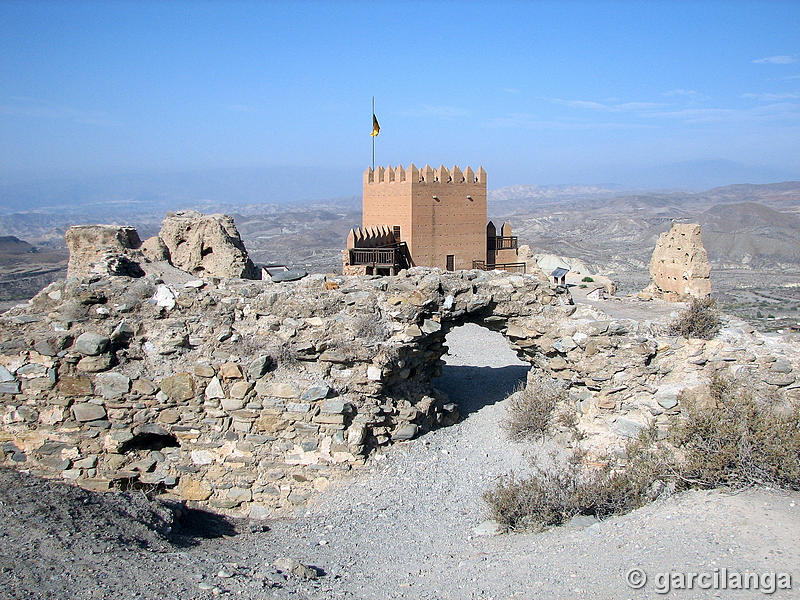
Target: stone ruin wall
(242, 395)
(208, 246)
(679, 267)
(249, 396)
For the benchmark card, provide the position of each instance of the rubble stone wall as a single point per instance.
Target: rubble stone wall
(248, 396)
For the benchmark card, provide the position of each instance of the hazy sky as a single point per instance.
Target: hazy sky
(537, 92)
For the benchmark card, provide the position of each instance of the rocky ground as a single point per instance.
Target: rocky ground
(410, 525)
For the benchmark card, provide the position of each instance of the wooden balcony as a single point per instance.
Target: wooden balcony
(394, 257)
(502, 242)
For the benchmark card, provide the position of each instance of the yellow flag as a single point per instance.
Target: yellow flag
(376, 129)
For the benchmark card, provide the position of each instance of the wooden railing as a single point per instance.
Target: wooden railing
(373, 256)
(395, 255)
(518, 267)
(502, 242)
(506, 242)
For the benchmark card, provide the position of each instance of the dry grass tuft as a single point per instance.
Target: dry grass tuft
(553, 495)
(738, 441)
(531, 407)
(699, 320)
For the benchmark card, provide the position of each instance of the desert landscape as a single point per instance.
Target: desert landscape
(426, 301)
(261, 433)
(751, 232)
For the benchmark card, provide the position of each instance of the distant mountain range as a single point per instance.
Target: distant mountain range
(744, 226)
(519, 198)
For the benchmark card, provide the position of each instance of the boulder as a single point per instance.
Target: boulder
(154, 249)
(531, 264)
(91, 344)
(206, 245)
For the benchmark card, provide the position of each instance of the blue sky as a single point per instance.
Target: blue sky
(536, 92)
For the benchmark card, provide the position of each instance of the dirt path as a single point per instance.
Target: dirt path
(630, 307)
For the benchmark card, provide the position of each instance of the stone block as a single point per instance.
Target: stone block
(178, 387)
(86, 411)
(95, 364)
(112, 385)
(316, 392)
(192, 489)
(91, 344)
(214, 389)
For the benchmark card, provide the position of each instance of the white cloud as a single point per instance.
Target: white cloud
(775, 60)
(509, 90)
(683, 93)
(635, 106)
(530, 121)
(620, 107)
(768, 97)
(581, 104)
(778, 111)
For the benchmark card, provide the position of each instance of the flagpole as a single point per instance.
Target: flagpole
(373, 137)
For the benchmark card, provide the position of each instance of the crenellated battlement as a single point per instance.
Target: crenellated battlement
(370, 237)
(437, 214)
(425, 175)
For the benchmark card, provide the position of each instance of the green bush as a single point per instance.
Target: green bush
(699, 320)
(587, 279)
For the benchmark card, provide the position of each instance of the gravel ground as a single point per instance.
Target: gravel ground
(404, 527)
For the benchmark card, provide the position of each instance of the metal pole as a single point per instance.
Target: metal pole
(373, 137)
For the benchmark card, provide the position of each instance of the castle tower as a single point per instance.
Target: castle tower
(439, 213)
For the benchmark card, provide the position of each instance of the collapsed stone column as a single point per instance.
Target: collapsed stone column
(203, 245)
(103, 250)
(679, 268)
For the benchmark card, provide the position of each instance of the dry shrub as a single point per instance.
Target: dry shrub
(737, 441)
(699, 320)
(529, 413)
(734, 441)
(285, 355)
(553, 495)
(369, 327)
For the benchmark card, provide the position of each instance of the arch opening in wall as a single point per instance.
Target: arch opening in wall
(480, 368)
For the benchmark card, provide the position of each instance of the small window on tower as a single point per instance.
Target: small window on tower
(396, 231)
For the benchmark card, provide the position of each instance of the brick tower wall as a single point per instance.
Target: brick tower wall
(440, 212)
